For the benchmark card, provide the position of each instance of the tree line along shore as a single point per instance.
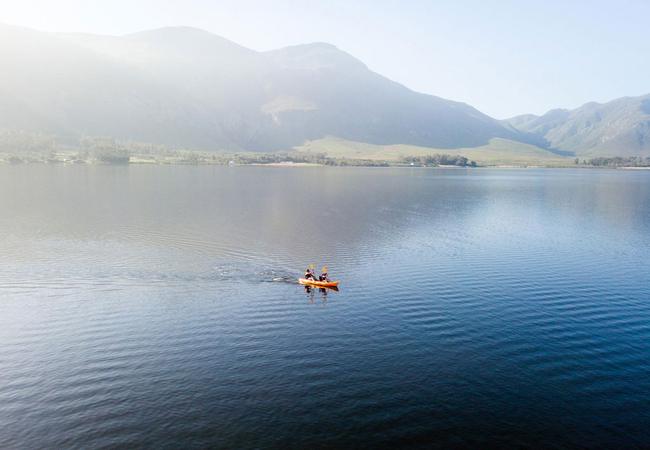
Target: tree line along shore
(18, 146)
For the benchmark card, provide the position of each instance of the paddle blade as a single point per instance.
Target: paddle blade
(324, 269)
(312, 266)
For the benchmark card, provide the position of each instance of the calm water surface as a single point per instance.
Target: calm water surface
(158, 306)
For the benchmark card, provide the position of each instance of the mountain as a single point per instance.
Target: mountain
(54, 85)
(186, 87)
(617, 128)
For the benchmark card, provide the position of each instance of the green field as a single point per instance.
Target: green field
(498, 152)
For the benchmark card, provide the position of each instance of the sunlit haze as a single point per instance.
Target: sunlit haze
(341, 224)
(504, 58)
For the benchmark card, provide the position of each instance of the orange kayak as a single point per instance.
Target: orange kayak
(318, 283)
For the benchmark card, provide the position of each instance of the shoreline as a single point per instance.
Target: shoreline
(292, 164)
(138, 159)
(303, 164)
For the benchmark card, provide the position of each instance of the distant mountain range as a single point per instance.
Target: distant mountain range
(617, 128)
(189, 88)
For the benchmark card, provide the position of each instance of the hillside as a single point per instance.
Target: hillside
(496, 152)
(187, 87)
(617, 128)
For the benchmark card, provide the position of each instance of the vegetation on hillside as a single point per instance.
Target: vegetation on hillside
(617, 161)
(497, 152)
(620, 127)
(438, 160)
(24, 147)
(19, 146)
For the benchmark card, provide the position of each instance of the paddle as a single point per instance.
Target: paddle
(312, 270)
(325, 272)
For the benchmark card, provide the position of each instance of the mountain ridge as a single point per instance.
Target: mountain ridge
(620, 127)
(187, 87)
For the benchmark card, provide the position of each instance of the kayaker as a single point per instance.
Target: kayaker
(323, 277)
(309, 275)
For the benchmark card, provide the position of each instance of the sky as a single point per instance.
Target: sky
(503, 57)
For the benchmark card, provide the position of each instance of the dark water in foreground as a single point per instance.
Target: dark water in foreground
(157, 306)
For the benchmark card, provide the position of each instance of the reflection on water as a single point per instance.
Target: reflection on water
(320, 293)
(159, 305)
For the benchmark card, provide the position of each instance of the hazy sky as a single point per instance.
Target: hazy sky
(503, 57)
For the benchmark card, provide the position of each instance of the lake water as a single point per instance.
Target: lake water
(159, 306)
